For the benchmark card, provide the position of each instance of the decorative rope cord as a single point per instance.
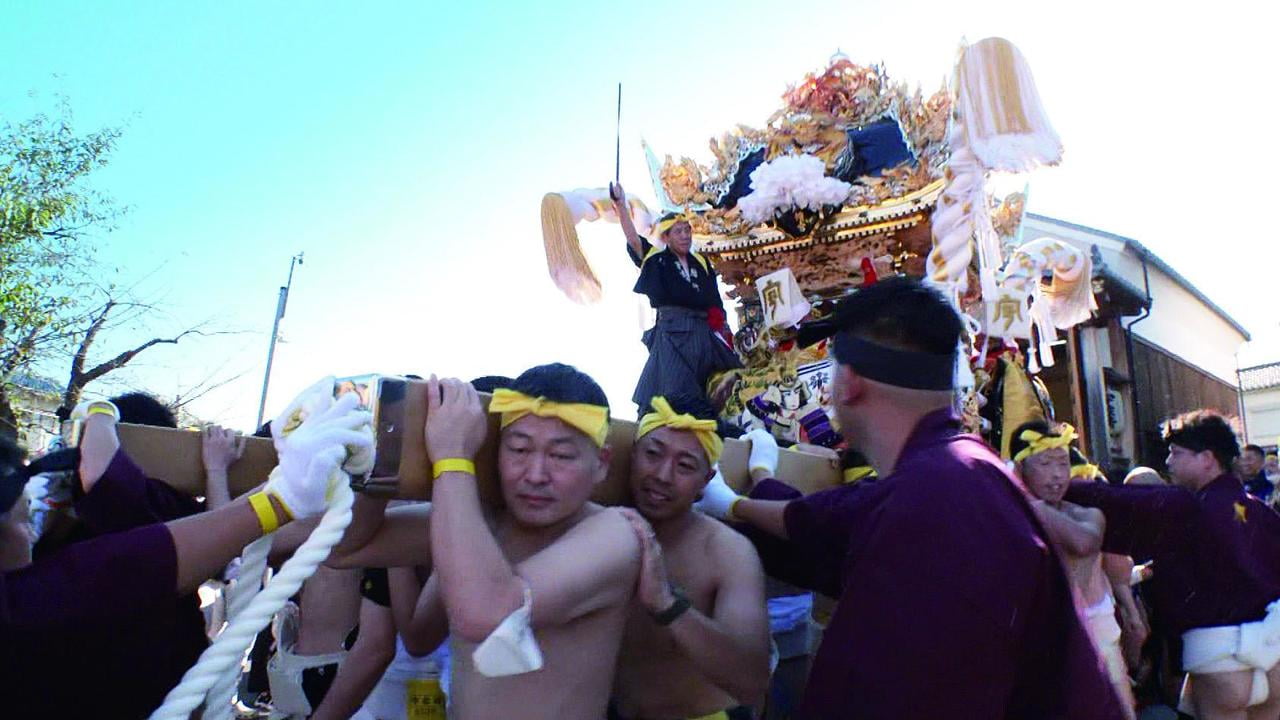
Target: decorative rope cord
(953, 227)
(224, 655)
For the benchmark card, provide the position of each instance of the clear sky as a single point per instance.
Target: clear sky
(405, 148)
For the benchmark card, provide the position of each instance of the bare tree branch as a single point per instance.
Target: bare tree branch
(202, 388)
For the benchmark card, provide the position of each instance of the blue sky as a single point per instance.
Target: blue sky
(405, 148)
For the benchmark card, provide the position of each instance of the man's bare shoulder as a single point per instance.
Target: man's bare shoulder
(604, 525)
(727, 547)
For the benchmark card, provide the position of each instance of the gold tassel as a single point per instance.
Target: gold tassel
(1003, 116)
(1021, 403)
(569, 268)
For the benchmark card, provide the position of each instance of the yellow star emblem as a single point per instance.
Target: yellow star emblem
(1241, 516)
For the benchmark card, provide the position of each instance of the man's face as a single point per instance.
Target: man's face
(669, 469)
(1250, 463)
(548, 469)
(679, 237)
(1047, 474)
(1190, 469)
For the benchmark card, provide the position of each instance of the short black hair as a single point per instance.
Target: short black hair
(1254, 448)
(140, 408)
(688, 404)
(1201, 430)
(560, 383)
(902, 313)
(489, 383)
(851, 458)
(1017, 444)
(1077, 457)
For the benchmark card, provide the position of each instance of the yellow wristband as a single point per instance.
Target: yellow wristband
(96, 409)
(463, 465)
(267, 518)
(731, 514)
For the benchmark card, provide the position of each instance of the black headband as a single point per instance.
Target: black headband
(13, 479)
(900, 368)
(12, 482)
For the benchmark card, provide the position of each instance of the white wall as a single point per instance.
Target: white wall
(1180, 323)
(1262, 415)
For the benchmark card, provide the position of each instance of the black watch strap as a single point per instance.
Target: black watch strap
(678, 606)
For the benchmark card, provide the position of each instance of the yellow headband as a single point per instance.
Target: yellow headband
(855, 474)
(1088, 471)
(666, 223)
(664, 416)
(1039, 442)
(593, 420)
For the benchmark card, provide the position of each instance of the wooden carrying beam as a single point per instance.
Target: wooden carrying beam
(400, 412)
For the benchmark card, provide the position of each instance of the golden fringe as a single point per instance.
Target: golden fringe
(1021, 403)
(569, 268)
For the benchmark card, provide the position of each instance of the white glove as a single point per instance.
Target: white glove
(718, 498)
(312, 454)
(314, 401)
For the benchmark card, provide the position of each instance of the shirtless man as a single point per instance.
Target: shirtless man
(1043, 459)
(537, 593)
(697, 640)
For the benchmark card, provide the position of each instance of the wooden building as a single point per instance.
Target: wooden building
(1157, 347)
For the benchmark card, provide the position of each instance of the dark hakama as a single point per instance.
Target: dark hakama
(952, 602)
(683, 350)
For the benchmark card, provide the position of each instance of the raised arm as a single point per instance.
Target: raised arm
(123, 573)
(1076, 530)
(766, 515)
(1141, 519)
(590, 567)
(401, 536)
(621, 207)
(98, 443)
(117, 495)
(730, 646)
(219, 448)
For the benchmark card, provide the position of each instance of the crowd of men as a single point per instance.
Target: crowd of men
(965, 585)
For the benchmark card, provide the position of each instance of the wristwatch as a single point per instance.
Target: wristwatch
(678, 606)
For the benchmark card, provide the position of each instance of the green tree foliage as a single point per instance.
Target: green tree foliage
(48, 216)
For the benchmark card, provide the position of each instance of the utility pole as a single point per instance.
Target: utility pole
(275, 334)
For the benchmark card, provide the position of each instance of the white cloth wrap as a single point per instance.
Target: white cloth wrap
(511, 649)
(1231, 648)
(284, 669)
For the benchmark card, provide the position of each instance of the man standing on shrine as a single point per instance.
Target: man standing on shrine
(690, 340)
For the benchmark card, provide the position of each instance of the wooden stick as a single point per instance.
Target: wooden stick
(173, 456)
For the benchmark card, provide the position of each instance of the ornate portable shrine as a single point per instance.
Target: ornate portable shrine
(855, 178)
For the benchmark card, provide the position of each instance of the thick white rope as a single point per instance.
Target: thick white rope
(228, 649)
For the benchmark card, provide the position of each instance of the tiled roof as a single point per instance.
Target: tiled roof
(1260, 377)
(35, 383)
